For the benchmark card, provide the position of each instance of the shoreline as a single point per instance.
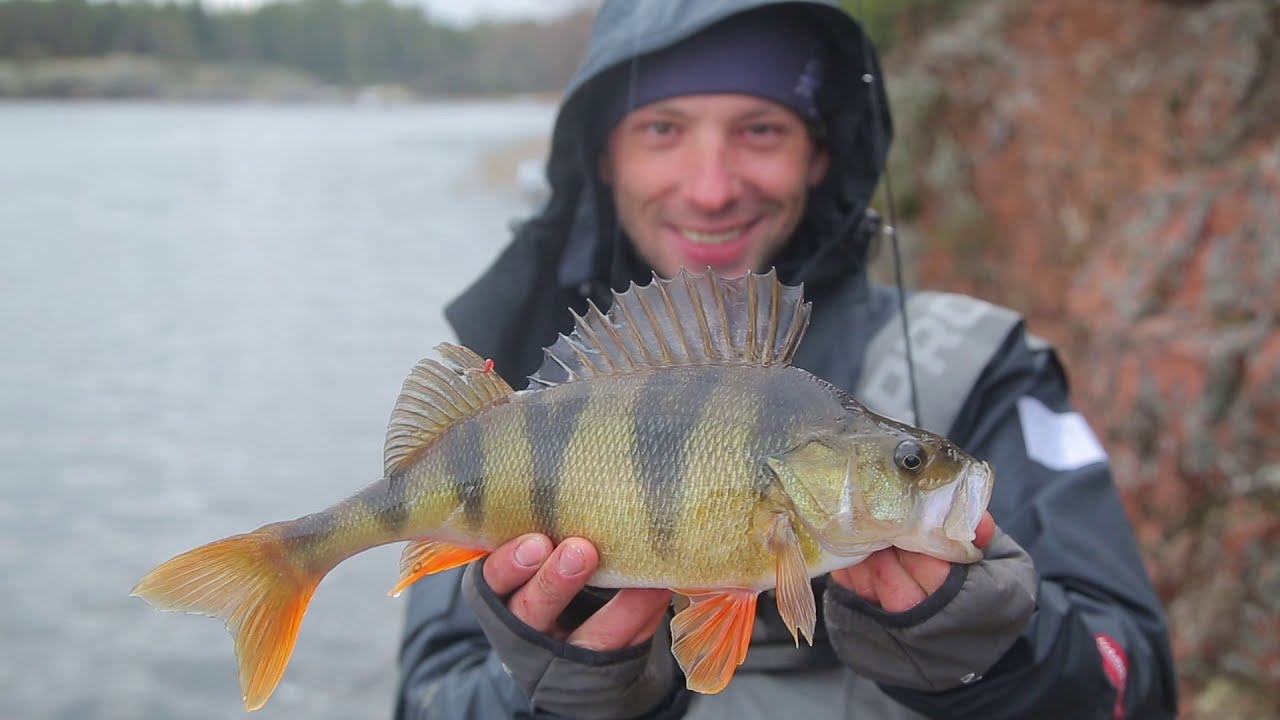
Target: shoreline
(137, 78)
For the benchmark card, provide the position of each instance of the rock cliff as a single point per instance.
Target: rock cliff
(1112, 170)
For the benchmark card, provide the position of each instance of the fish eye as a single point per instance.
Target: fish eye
(909, 456)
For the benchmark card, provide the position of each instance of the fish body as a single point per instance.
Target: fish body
(660, 469)
(672, 433)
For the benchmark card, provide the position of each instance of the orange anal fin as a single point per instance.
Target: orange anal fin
(710, 637)
(426, 557)
(795, 595)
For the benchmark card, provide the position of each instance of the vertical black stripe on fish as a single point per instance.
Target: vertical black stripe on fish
(669, 407)
(464, 456)
(388, 501)
(549, 427)
(779, 412)
(302, 537)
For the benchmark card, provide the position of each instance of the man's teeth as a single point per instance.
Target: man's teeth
(705, 238)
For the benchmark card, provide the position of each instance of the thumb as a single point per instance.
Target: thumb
(985, 531)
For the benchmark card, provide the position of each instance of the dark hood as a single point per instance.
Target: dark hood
(832, 241)
(515, 308)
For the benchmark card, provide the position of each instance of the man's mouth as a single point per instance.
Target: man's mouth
(699, 237)
(724, 248)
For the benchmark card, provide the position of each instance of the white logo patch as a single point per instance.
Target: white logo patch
(1059, 441)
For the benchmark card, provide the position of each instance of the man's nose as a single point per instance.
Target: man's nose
(710, 182)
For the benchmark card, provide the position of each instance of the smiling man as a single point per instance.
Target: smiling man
(711, 180)
(742, 136)
(714, 145)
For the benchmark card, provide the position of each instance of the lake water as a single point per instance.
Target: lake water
(205, 315)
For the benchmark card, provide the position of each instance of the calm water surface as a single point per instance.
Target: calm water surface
(205, 316)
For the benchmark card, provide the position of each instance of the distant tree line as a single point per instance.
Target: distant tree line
(346, 42)
(350, 42)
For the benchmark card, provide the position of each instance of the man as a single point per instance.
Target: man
(742, 136)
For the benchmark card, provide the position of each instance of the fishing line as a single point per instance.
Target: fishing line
(890, 229)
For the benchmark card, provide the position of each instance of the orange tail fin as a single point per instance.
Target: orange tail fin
(248, 581)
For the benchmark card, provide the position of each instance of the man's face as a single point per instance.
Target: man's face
(714, 181)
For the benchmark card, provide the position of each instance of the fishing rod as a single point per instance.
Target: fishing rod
(889, 229)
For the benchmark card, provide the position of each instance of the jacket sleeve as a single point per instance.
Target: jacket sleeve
(464, 655)
(1096, 645)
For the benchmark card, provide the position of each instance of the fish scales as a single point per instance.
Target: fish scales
(377, 514)
(550, 427)
(630, 472)
(655, 468)
(515, 505)
(671, 433)
(724, 480)
(669, 409)
(719, 461)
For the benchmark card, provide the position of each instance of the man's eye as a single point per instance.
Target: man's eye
(764, 130)
(660, 127)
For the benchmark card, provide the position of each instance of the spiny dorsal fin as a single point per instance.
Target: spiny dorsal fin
(436, 395)
(687, 320)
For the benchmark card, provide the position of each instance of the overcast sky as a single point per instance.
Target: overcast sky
(465, 12)
(468, 11)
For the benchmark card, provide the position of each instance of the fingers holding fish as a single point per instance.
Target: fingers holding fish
(859, 582)
(882, 579)
(515, 562)
(897, 580)
(896, 587)
(985, 531)
(541, 583)
(540, 601)
(630, 618)
(929, 573)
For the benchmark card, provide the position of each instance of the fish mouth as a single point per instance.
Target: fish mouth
(970, 502)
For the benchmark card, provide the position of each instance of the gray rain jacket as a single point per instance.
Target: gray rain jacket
(1059, 619)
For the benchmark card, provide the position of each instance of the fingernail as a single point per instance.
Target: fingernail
(571, 562)
(531, 552)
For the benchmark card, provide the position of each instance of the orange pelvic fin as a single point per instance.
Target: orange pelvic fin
(426, 557)
(247, 581)
(710, 637)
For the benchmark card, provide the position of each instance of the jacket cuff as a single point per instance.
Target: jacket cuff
(567, 680)
(950, 639)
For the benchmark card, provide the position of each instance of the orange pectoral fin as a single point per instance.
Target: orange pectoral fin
(710, 637)
(795, 596)
(425, 557)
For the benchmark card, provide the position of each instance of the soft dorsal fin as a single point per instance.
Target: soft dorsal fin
(436, 395)
(687, 320)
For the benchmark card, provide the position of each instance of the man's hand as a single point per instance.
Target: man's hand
(897, 580)
(539, 580)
